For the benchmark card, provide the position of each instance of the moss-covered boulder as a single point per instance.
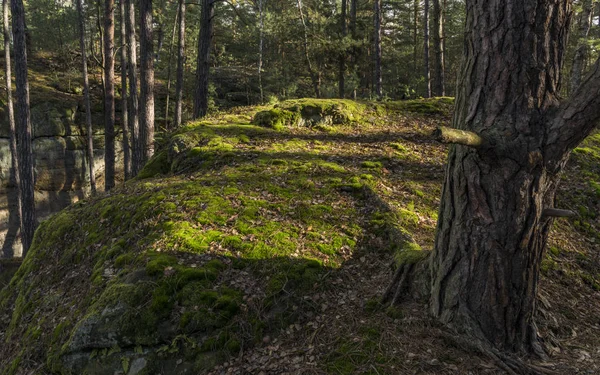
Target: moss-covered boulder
(213, 247)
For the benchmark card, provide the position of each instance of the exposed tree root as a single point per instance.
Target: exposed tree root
(406, 277)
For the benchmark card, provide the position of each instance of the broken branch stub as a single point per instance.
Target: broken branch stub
(460, 137)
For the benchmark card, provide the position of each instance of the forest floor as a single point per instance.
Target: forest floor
(284, 240)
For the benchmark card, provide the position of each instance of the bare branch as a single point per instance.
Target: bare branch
(460, 137)
(555, 212)
(576, 118)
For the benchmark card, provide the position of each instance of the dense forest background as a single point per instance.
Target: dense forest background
(294, 43)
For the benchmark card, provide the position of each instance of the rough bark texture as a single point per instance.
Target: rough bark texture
(146, 82)
(427, 72)
(582, 52)
(203, 63)
(439, 78)
(378, 81)
(492, 231)
(109, 94)
(124, 110)
(171, 45)
(15, 173)
(86, 96)
(23, 124)
(180, 65)
(133, 118)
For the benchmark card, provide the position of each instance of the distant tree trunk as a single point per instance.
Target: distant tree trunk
(439, 84)
(137, 153)
(260, 48)
(124, 111)
(378, 81)
(169, 68)
(203, 63)
(109, 94)
(180, 65)
(86, 96)
(415, 34)
(146, 81)
(15, 173)
(582, 52)
(342, 68)
(313, 75)
(353, 10)
(23, 124)
(427, 72)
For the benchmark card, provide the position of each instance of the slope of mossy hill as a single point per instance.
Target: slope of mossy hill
(245, 247)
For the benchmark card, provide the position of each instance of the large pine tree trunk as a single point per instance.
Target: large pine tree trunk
(15, 216)
(86, 96)
(109, 94)
(180, 66)
(439, 84)
(203, 61)
(133, 115)
(23, 124)
(146, 81)
(377, 55)
(492, 231)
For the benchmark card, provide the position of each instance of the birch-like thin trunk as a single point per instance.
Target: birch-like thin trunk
(86, 96)
(15, 173)
(180, 66)
(146, 81)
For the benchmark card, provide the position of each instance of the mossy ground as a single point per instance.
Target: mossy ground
(256, 248)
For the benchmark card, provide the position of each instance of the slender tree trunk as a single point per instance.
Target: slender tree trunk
(125, 110)
(342, 67)
(582, 52)
(260, 48)
(86, 97)
(169, 68)
(313, 75)
(137, 154)
(439, 84)
(23, 124)
(180, 66)
(100, 42)
(427, 72)
(14, 156)
(377, 55)
(146, 81)
(353, 10)
(492, 229)
(415, 34)
(203, 63)
(109, 94)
